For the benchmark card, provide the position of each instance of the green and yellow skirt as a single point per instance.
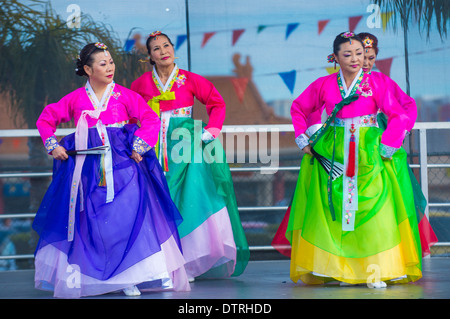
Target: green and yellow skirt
(384, 244)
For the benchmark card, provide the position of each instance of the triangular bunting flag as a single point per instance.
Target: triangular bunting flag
(236, 35)
(384, 66)
(322, 24)
(129, 45)
(289, 79)
(240, 84)
(332, 70)
(385, 17)
(260, 28)
(206, 37)
(291, 27)
(180, 40)
(353, 22)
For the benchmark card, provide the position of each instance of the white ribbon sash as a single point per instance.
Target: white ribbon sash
(81, 141)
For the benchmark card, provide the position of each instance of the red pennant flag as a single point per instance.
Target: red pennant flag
(206, 37)
(240, 84)
(353, 22)
(236, 35)
(322, 24)
(384, 66)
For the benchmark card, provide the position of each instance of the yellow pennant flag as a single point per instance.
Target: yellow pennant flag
(385, 17)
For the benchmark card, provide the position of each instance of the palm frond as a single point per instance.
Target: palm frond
(429, 14)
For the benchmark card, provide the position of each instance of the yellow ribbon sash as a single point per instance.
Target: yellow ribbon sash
(155, 106)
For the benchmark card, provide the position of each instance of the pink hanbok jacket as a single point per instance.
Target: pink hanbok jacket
(122, 105)
(186, 86)
(377, 93)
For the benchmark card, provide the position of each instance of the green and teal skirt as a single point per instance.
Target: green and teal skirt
(199, 178)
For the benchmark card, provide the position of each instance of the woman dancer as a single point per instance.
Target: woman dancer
(212, 237)
(427, 236)
(107, 221)
(354, 222)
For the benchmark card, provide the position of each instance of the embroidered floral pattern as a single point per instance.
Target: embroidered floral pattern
(116, 95)
(157, 83)
(180, 79)
(182, 112)
(369, 120)
(355, 87)
(349, 197)
(51, 143)
(364, 89)
(105, 103)
(140, 146)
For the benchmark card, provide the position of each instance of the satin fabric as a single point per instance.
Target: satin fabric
(200, 183)
(110, 239)
(386, 232)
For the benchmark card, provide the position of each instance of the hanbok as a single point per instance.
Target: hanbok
(314, 121)
(106, 223)
(359, 224)
(212, 237)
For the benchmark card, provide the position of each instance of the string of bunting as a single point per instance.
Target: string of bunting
(290, 28)
(289, 77)
(383, 65)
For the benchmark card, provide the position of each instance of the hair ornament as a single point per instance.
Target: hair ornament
(368, 42)
(101, 46)
(155, 34)
(348, 35)
(331, 58)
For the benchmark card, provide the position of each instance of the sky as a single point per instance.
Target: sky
(271, 52)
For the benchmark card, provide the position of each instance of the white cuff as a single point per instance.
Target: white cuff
(387, 151)
(313, 129)
(207, 136)
(302, 141)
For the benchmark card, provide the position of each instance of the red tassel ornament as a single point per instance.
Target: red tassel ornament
(351, 153)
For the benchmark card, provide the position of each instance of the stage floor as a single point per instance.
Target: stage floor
(261, 280)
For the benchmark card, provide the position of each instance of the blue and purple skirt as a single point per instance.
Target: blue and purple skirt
(132, 240)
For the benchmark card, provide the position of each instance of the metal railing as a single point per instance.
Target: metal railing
(423, 165)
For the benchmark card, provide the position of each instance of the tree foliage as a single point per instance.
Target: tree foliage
(38, 53)
(429, 14)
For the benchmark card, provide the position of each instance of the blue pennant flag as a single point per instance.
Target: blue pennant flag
(291, 27)
(180, 40)
(289, 79)
(129, 45)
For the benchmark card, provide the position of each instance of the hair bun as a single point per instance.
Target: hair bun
(80, 69)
